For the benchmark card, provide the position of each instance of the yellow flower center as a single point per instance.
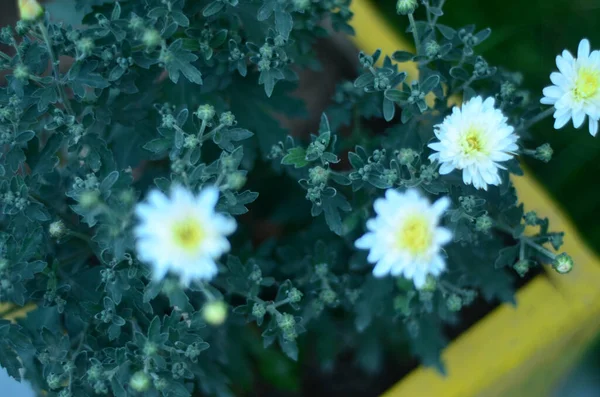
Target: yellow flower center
(188, 234)
(587, 83)
(415, 235)
(471, 142)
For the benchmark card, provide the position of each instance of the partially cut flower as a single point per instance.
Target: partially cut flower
(576, 90)
(182, 233)
(405, 238)
(30, 10)
(474, 139)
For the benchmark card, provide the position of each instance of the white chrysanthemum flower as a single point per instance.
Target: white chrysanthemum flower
(405, 238)
(474, 139)
(182, 233)
(576, 90)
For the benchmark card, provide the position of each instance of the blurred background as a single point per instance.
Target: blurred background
(526, 37)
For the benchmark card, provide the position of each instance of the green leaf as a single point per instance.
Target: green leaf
(158, 146)
(10, 361)
(396, 95)
(332, 207)
(290, 348)
(507, 257)
(179, 61)
(459, 73)
(296, 157)
(402, 56)
(389, 109)
(283, 23)
(213, 8)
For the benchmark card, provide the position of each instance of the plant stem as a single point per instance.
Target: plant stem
(413, 27)
(541, 116)
(55, 69)
(435, 18)
(539, 248)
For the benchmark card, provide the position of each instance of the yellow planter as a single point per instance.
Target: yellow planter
(513, 351)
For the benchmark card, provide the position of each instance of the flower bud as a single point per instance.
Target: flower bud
(563, 263)
(483, 224)
(544, 153)
(227, 119)
(151, 38)
(454, 303)
(21, 73)
(521, 267)
(140, 381)
(294, 295)
(30, 10)
(215, 312)
(205, 112)
(405, 7)
(259, 310)
(57, 229)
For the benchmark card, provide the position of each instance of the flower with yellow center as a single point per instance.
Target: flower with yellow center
(30, 10)
(404, 238)
(575, 92)
(474, 139)
(182, 233)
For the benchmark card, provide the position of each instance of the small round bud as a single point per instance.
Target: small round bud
(454, 303)
(136, 23)
(406, 156)
(531, 218)
(151, 38)
(190, 142)
(521, 267)
(328, 296)
(21, 73)
(259, 310)
(205, 112)
(140, 381)
(322, 269)
(483, 224)
(65, 393)
(150, 349)
(215, 312)
(563, 263)
(507, 89)
(544, 153)
(405, 7)
(57, 229)
(318, 175)
(178, 370)
(30, 10)
(287, 323)
(227, 119)
(53, 381)
(294, 295)
(432, 48)
(89, 199)
(85, 46)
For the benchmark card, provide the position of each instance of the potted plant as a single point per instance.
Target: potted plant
(131, 173)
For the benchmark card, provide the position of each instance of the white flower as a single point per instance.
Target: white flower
(182, 233)
(576, 90)
(474, 139)
(405, 238)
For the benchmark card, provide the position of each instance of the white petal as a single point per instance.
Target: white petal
(446, 168)
(584, 49)
(578, 118)
(593, 126)
(553, 92)
(208, 197)
(561, 121)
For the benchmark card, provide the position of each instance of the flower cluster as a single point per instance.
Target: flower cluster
(134, 147)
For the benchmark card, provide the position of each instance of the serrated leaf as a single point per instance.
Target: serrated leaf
(296, 157)
(332, 207)
(507, 257)
(283, 23)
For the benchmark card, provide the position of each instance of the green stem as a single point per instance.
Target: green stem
(55, 68)
(413, 27)
(541, 116)
(539, 248)
(212, 132)
(435, 18)
(81, 236)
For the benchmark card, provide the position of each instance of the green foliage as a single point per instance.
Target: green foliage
(163, 93)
